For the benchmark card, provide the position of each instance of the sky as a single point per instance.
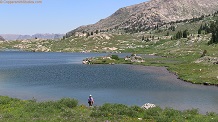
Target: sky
(55, 16)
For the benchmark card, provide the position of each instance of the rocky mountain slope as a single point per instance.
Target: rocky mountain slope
(151, 13)
(39, 36)
(10, 36)
(1, 38)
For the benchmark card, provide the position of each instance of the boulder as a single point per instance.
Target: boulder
(148, 106)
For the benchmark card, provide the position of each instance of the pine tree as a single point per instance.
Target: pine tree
(214, 31)
(179, 35)
(96, 31)
(207, 28)
(185, 34)
(199, 31)
(88, 34)
(172, 28)
(157, 27)
(168, 33)
(143, 38)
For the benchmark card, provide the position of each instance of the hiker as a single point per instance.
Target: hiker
(90, 100)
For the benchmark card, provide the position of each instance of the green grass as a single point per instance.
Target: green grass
(67, 109)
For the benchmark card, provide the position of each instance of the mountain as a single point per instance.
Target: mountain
(38, 36)
(10, 36)
(1, 38)
(151, 13)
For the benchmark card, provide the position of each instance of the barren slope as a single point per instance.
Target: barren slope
(153, 12)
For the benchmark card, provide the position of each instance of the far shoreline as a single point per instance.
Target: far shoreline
(167, 68)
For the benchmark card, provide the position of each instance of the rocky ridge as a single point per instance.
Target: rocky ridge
(151, 13)
(38, 36)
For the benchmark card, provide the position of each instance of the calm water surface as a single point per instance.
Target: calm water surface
(51, 76)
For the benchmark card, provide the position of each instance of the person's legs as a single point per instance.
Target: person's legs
(90, 103)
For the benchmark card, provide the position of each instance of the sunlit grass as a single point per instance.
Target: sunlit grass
(67, 109)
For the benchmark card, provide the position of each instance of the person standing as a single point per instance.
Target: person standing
(90, 100)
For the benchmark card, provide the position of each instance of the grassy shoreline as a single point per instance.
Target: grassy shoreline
(66, 109)
(187, 72)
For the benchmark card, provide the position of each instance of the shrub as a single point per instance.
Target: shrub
(156, 111)
(115, 57)
(108, 110)
(212, 114)
(50, 106)
(169, 112)
(71, 103)
(7, 100)
(137, 108)
(190, 114)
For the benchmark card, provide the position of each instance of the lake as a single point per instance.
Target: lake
(52, 76)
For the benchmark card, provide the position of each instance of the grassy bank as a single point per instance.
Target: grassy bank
(183, 66)
(66, 109)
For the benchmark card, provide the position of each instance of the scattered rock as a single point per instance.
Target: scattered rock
(207, 59)
(206, 83)
(87, 61)
(140, 119)
(134, 58)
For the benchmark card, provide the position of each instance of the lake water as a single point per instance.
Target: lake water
(51, 76)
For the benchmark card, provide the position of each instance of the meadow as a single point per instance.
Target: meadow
(66, 109)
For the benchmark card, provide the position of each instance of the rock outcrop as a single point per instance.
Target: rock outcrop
(207, 59)
(134, 59)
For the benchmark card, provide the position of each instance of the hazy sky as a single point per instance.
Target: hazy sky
(55, 16)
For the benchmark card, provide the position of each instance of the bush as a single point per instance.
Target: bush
(7, 100)
(50, 106)
(190, 114)
(169, 112)
(152, 113)
(108, 110)
(70, 103)
(115, 57)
